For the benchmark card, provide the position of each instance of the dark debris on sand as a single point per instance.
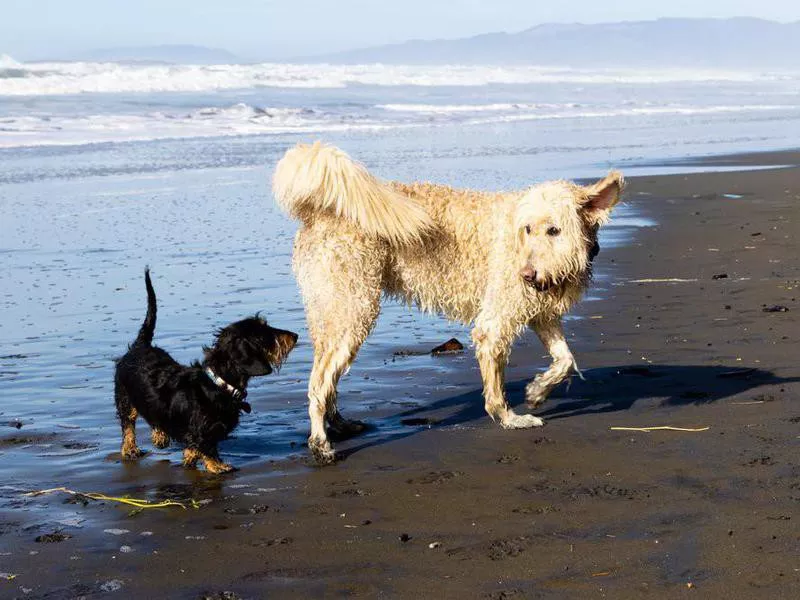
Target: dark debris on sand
(52, 538)
(451, 346)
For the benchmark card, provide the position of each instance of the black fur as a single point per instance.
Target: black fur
(183, 403)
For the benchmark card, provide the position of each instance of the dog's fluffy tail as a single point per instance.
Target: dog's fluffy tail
(145, 336)
(312, 179)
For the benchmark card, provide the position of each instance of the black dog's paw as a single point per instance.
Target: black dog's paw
(159, 438)
(132, 453)
(219, 468)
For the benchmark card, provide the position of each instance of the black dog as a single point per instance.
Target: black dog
(197, 405)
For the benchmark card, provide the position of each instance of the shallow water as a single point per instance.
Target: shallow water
(73, 298)
(81, 221)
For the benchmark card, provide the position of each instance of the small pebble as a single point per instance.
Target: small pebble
(113, 585)
(433, 545)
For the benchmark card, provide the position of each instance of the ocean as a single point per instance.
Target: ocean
(106, 168)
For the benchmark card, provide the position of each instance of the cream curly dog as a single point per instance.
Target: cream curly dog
(502, 261)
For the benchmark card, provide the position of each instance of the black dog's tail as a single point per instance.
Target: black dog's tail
(149, 326)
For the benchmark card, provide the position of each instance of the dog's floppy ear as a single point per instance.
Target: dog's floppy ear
(601, 197)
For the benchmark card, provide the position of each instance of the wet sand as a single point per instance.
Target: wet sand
(452, 506)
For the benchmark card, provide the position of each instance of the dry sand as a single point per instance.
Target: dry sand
(461, 508)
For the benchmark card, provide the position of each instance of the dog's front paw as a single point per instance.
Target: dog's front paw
(534, 393)
(131, 452)
(322, 452)
(218, 467)
(515, 421)
(159, 438)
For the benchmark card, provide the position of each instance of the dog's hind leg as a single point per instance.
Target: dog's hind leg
(341, 285)
(331, 361)
(551, 334)
(130, 450)
(335, 347)
(127, 414)
(492, 353)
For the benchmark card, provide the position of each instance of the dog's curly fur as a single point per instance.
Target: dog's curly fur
(183, 403)
(502, 261)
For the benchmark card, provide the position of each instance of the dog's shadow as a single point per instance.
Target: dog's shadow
(604, 390)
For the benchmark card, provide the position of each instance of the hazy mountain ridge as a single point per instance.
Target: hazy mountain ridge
(732, 43)
(166, 53)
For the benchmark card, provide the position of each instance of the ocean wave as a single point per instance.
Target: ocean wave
(244, 119)
(38, 79)
(6, 62)
(238, 119)
(460, 108)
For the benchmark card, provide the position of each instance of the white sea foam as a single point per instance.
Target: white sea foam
(6, 62)
(460, 108)
(239, 119)
(37, 79)
(549, 111)
(243, 119)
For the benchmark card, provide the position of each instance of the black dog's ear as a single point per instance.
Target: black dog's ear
(251, 358)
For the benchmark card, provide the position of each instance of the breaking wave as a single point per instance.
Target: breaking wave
(243, 119)
(40, 79)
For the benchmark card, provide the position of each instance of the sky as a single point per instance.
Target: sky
(281, 29)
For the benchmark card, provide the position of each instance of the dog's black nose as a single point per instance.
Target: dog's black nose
(528, 274)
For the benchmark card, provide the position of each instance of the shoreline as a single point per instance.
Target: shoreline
(566, 511)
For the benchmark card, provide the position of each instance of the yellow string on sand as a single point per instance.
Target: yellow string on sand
(659, 428)
(664, 280)
(141, 504)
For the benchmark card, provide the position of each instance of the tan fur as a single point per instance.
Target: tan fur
(459, 253)
(212, 463)
(318, 178)
(130, 450)
(159, 438)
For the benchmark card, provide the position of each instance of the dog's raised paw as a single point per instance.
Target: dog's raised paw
(515, 421)
(534, 395)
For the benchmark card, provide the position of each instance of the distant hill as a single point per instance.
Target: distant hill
(173, 54)
(730, 43)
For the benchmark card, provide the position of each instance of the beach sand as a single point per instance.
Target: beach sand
(453, 506)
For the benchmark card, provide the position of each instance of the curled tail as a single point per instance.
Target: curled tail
(149, 326)
(323, 179)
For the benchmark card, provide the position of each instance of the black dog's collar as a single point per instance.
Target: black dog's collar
(221, 383)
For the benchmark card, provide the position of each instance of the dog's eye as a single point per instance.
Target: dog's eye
(528, 229)
(553, 230)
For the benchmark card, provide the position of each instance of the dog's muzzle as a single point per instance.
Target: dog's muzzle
(529, 276)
